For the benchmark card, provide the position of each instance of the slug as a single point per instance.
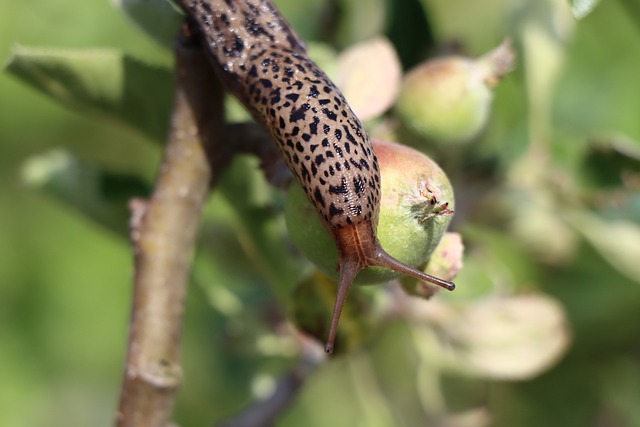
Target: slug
(262, 61)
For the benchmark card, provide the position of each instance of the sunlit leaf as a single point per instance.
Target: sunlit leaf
(581, 8)
(103, 82)
(513, 337)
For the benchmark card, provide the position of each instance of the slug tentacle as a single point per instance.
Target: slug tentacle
(358, 248)
(263, 62)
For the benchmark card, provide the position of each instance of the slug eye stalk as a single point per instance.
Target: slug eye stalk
(358, 248)
(261, 60)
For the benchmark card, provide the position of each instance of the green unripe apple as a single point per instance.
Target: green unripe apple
(448, 100)
(415, 209)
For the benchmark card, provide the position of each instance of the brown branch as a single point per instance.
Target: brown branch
(163, 235)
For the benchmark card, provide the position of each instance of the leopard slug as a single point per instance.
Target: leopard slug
(263, 62)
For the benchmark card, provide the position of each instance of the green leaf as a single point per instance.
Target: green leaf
(581, 8)
(102, 82)
(521, 336)
(621, 388)
(359, 20)
(97, 194)
(157, 18)
(617, 241)
(609, 161)
(498, 337)
(258, 225)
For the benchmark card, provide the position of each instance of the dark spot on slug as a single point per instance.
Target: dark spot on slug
(275, 96)
(253, 9)
(317, 195)
(355, 164)
(299, 114)
(236, 48)
(330, 114)
(333, 210)
(340, 189)
(313, 126)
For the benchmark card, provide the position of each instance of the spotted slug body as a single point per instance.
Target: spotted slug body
(324, 144)
(262, 61)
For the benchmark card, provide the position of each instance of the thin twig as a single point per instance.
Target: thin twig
(251, 138)
(163, 240)
(265, 412)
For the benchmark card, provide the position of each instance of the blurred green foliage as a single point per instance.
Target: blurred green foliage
(548, 203)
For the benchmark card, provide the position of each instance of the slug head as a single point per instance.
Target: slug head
(358, 248)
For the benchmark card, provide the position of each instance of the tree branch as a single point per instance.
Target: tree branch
(163, 238)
